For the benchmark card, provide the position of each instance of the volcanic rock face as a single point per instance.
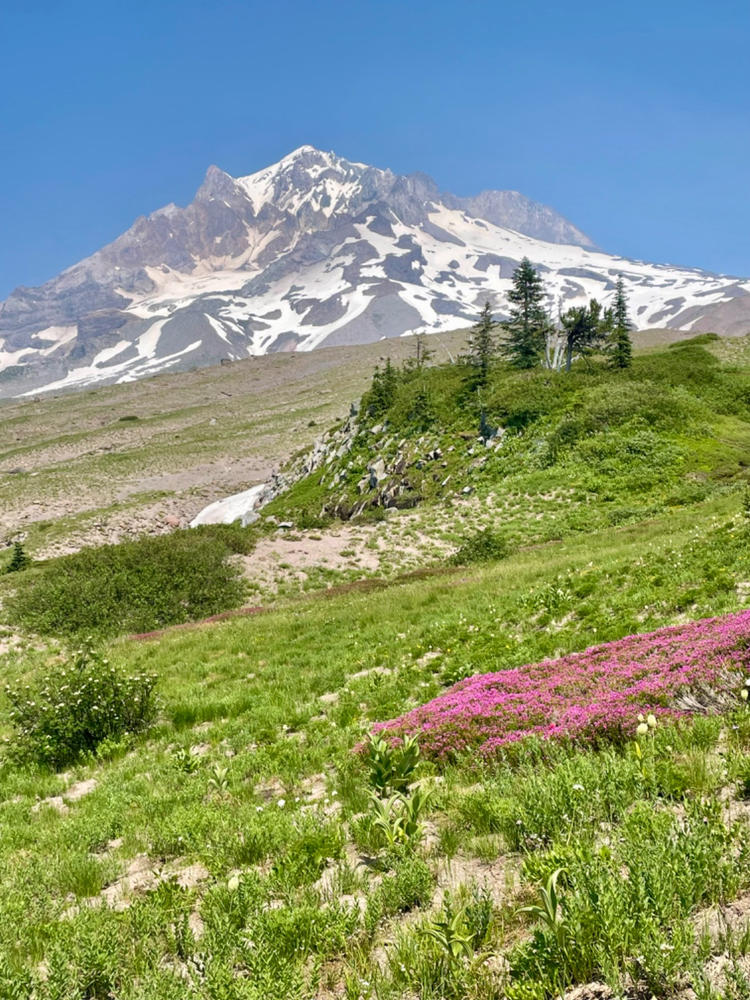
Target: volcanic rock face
(318, 250)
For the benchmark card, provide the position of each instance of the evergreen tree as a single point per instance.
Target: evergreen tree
(19, 560)
(383, 390)
(528, 324)
(423, 352)
(584, 328)
(620, 344)
(482, 346)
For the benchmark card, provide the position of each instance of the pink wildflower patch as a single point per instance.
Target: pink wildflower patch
(595, 695)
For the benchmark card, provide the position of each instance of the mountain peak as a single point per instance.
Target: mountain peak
(301, 150)
(216, 184)
(317, 249)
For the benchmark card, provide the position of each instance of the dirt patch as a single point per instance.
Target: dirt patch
(74, 793)
(499, 878)
(342, 549)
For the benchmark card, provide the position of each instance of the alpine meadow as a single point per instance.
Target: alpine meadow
(374, 543)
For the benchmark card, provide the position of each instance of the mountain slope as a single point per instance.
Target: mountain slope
(318, 250)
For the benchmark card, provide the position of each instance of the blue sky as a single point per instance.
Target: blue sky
(633, 120)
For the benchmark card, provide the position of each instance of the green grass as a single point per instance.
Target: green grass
(252, 696)
(243, 848)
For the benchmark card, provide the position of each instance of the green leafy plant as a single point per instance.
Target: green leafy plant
(549, 911)
(398, 818)
(77, 706)
(219, 780)
(462, 925)
(185, 760)
(391, 765)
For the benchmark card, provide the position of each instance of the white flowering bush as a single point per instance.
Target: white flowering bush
(79, 704)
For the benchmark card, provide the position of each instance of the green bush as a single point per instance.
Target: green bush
(78, 706)
(482, 546)
(132, 587)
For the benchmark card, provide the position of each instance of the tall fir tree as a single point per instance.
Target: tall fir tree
(482, 345)
(528, 324)
(620, 344)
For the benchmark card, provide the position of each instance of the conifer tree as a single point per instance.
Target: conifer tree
(422, 413)
(422, 354)
(482, 346)
(584, 328)
(620, 344)
(383, 390)
(528, 324)
(19, 560)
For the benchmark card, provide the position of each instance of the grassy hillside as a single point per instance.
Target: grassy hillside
(538, 455)
(112, 463)
(244, 815)
(115, 462)
(440, 470)
(240, 836)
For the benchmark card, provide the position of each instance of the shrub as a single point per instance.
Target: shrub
(78, 706)
(307, 519)
(132, 587)
(482, 546)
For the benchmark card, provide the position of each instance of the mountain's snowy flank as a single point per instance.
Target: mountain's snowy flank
(317, 250)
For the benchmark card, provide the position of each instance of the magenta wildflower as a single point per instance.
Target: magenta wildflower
(594, 695)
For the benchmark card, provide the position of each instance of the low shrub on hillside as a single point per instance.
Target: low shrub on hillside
(482, 546)
(78, 705)
(132, 587)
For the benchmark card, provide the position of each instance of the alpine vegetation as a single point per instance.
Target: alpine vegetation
(595, 696)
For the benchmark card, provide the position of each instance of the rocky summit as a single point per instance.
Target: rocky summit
(317, 250)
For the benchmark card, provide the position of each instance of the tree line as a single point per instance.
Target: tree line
(532, 337)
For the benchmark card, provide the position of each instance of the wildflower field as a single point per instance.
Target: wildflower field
(595, 695)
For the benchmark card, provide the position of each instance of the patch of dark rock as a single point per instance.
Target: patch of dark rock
(286, 341)
(447, 307)
(582, 272)
(438, 233)
(327, 311)
(401, 267)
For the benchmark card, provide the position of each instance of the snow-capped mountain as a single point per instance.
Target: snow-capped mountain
(316, 250)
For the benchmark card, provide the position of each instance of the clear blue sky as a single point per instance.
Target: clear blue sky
(631, 119)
